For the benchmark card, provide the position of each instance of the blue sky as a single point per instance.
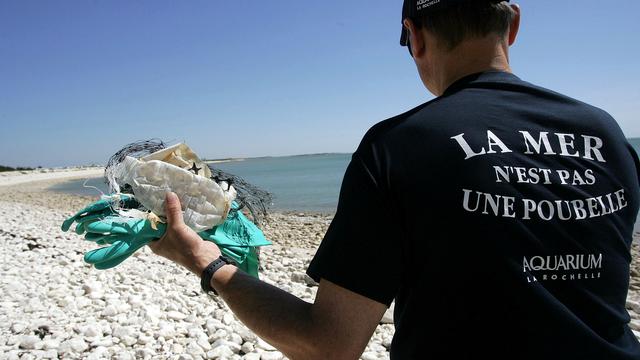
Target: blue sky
(79, 79)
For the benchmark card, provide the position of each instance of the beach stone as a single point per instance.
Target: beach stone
(109, 311)
(98, 353)
(106, 342)
(220, 352)
(176, 315)
(309, 280)
(244, 332)
(271, 355)
(124, 355)
(29, 342)
(144, 353)
(212, 325)
(50, 354)
(387, 318)
(121, 332)
(177, 349)
(219, 334)
(92, 331)
(247, 347)
(152, 311)
(12, 355)
(194, 349)
(76, 345)
(235, 348)
(49, 344)
(90, 287)
(227, 319)
(15, 287)
(633, 305)
(204, 343)
(235, 338)
(143, 339)
(369, 355)
(129, 340)
(376, 347)
(251, 356)
(261, 344)
(17, 327)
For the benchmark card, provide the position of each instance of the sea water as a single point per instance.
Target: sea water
(298, 183)
(307, 183)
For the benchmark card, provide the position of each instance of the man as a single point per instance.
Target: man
(499, 216)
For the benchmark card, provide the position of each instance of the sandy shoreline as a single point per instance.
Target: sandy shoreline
(53, 304)
(10, 178)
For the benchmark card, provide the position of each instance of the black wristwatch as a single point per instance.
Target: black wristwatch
(207, 273)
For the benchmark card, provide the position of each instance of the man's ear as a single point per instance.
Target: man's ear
(515, 24)
(416, 38)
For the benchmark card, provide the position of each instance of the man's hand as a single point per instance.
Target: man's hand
(180, 243)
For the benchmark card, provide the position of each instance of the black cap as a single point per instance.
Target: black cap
(414, 8)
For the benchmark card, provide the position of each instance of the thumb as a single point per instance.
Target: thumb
(173, 209)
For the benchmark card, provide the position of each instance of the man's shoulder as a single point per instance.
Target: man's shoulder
(483, 99)
(383, 130)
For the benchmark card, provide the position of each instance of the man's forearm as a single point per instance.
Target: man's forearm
(280, 318)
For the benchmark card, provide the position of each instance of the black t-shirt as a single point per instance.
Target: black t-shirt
(499, 217)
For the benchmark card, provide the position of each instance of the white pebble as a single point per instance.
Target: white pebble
(91, 331)
(121, 332)
(50, 344)
(203, 342)
(247, 348)
(271, 355)
(236, 338)
(176, 315)
(144, 353)
(129, 340)
(261, 344)
(77, 345)
(231, 345)
(369, 355)
(220, 352)
(194, 349)
(110, 311)
(29, 342)
(98, 353)
(18, 327)
(177, 349)
(251, 356)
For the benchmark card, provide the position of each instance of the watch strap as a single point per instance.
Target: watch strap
(207, 273)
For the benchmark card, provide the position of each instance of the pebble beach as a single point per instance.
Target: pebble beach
(53, 305)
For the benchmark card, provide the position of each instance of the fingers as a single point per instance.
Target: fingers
(173, 209)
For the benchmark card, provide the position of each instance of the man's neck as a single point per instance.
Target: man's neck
(471, 57)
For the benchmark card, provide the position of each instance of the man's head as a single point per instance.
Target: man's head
(452, 38)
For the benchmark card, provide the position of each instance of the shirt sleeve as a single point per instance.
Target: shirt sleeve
(361, 250)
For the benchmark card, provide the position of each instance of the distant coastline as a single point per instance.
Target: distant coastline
(219, 161)
(233, 159)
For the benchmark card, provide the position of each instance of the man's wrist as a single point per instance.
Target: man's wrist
(221, 278)
(204, 257)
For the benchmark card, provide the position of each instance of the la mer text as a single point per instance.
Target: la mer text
(560, 144)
